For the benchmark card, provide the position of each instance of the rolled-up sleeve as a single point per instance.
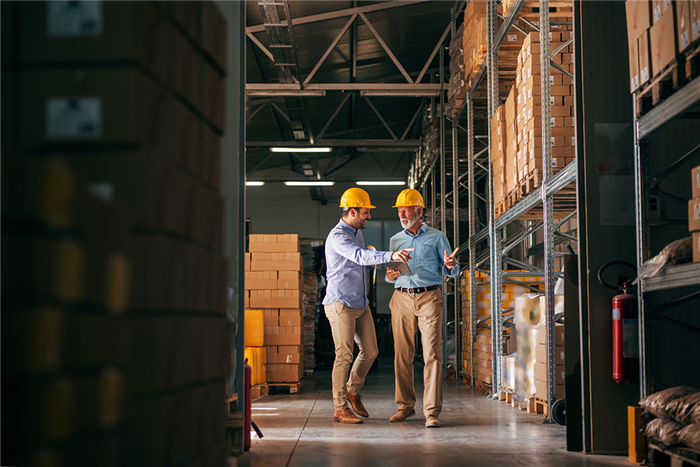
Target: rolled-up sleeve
(348, 249)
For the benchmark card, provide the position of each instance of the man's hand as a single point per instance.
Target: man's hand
(392, 274)
(402, 255)
(450, 260)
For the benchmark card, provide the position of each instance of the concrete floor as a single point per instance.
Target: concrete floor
(298, 430)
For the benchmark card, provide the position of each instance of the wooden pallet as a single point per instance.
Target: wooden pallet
(541, 406)
(557, 10)
(661, 87)
(286, 388)
(692, 61)
(482, 387)
(259, 391)
(660, 455)
(501, 208)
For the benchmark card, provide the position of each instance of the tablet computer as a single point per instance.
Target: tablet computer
(399, 266)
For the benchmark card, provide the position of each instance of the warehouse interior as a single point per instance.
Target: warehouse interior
(171, 171)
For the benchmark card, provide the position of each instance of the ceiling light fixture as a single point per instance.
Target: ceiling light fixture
(300, 149)
(284, 93)
(379, 183)
(309, 183)
(401, 93)
(254, 183)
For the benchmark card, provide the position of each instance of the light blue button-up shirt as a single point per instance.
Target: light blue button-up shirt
(427, 263)
(346, 261)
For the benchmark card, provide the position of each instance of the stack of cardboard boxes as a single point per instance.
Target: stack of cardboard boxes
(130, 94)
(457, 89)
(254, 341)
(499, 142)
(657, 31)
(541, 366)
(273, 284)
(694, 213)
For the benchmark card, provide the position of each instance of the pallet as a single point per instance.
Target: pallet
(482, 387)
(557, 10)
(692, 61)
(661, 455)
(501, 208)
(232, 403)
(259, 391)
(661, 87)
(286, 388)
(541, 406)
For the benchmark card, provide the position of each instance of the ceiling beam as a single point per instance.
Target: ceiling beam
(398, 88)
(340, 13)
(338, 143)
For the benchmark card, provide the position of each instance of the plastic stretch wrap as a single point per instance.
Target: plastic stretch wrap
(686, 410)
(527, 317)
(678, 252)
(508, 365)
(690, 436)
(665, 431)
(661, 404)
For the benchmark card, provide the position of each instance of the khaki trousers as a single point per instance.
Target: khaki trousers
(350, 325)
(423, 310)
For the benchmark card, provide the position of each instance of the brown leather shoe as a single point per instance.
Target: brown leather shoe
(402, 414)
(345, 416)
(357, 405)
(432, 422)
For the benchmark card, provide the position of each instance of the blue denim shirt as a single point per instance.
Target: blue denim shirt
(426, 265)
(346, 258)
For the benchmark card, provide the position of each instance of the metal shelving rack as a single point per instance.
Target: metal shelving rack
(494, 232)
(676, 277)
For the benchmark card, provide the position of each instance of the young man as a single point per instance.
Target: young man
(346, 304)
(417, 302)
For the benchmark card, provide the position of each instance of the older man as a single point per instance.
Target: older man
(346, 304)
(417, 303)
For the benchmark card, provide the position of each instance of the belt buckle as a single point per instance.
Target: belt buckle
(410, 291)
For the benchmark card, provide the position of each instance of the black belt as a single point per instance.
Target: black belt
(412, 290)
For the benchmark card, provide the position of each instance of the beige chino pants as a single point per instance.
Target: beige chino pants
(350, 325)
(408, 311)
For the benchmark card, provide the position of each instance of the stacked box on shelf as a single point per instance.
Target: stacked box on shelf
(529, 108)
(694, 213)
(541, 361)
(274, 285)
(254, 341)
(134, 104)
(457, 89)
(510, 164)
(474, 39)
(498, 150)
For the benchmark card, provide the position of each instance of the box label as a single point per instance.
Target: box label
(70, 19)
(645, 74)
(696, 211)
(684, 40)
(657, 13)
(696, 30)
(68, 117)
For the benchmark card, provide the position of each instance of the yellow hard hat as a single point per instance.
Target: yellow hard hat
(409, 197)
(355, 198)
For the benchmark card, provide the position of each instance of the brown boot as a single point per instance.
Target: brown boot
(357, 405)
(402, 414)
(345, 416)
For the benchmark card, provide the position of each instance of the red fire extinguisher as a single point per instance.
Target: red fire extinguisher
(625, 330)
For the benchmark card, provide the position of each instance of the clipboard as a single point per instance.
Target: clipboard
(399, 266)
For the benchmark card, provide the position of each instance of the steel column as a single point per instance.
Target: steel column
(472, 228)
(443, 205)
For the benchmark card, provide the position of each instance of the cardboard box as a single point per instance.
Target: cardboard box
(210, 157)
(541, 353)
(285, 354)
(541, 370)
(271, 316)
(696, 247)
(694, 8)
(682, 25)
(558, 333)
(634, 64)
(644, 58)
(284, 372)
(276, 262)
(662, 36)
(183, 68)
(659, 9)
(246, 261)
(274, 243)
(541, 389)
(290, 317)
(288, 335)
(119, 32)
(289, 280)
(638, 18)
(695, 182)
(94, 106)
(246, 298)
(694, 215)
(211, 94)
(275, 299)
(260, 280)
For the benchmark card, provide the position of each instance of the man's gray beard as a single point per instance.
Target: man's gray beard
(412, 222)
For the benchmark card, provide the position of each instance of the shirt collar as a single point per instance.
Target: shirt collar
(422, 229)
(345, 226)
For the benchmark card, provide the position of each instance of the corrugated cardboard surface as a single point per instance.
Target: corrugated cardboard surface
(696, 247)
(663, 42)
(695, 182)
(694, 215)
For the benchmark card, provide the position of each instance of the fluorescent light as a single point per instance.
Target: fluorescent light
(388, 182)
(252, 183)
(300, 149)
(401, 93)
(310, 183)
